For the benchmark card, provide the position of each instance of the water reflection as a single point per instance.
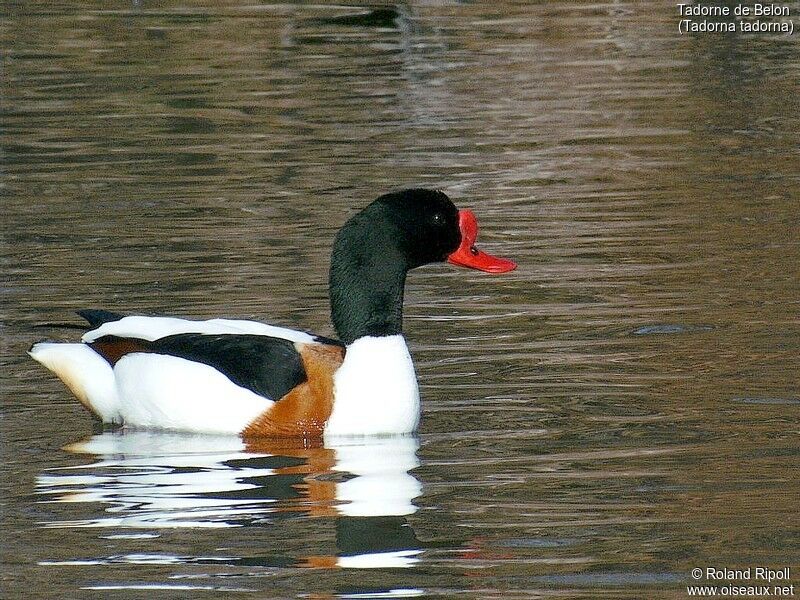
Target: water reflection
(146, 480)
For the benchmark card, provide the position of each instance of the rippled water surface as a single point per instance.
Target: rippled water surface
(621, 409)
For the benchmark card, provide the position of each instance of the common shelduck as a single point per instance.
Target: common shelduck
(253, 379)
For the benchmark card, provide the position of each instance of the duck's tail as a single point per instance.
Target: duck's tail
(97, 316)
(85, 373)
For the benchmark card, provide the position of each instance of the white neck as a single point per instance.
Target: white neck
(375, 389)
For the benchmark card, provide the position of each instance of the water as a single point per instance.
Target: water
(621, 409)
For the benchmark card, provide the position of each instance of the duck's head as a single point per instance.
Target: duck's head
(419, 226)
(377, 247)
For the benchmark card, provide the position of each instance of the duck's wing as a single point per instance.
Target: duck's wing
(268, 366)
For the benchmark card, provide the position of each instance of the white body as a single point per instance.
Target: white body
(375, 389)
(168, 392)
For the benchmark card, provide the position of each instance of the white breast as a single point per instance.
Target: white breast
(375, 389)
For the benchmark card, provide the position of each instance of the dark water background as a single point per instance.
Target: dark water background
(621, 409)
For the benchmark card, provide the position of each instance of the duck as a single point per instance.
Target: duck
(253, 379)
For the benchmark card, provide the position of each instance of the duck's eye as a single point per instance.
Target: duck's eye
(438, 219)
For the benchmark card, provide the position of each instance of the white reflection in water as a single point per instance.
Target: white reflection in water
(151, 480)
(382, 484)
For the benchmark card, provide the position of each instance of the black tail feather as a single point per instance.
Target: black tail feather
(97, 317)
